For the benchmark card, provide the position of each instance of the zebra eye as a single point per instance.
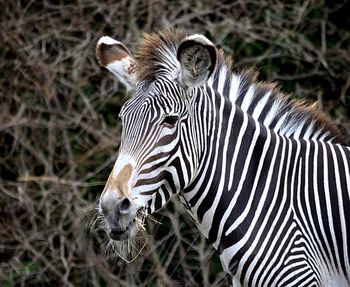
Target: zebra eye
(170, 120)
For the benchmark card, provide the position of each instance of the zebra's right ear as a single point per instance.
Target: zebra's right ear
(114, 56)
(197, 57)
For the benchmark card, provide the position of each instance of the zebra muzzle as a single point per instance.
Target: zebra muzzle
(119, 234)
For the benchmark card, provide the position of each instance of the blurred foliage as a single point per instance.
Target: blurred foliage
(59, 135)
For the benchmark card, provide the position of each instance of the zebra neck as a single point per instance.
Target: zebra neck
(234, 172)
(232, 139)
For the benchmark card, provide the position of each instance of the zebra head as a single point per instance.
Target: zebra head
(158, 155)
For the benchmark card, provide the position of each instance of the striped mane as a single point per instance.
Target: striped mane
(263, 101)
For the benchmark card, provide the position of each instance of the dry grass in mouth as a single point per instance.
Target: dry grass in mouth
(128, 250)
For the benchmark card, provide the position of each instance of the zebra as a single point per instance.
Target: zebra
(265, 178)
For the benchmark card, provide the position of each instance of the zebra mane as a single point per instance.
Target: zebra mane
(264, 101)
(157, 54)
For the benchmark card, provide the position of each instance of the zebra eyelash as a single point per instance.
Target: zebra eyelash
(170, 120)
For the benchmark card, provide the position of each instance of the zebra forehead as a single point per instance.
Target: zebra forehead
(162, 96)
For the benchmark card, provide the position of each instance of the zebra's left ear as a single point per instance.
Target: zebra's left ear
(114, 56)
(197, 56)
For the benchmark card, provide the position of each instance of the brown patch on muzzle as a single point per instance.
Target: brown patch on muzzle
(120, 183)
(123, 178)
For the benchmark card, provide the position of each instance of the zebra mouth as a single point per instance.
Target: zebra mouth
(120, 233)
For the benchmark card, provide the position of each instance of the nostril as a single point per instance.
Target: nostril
(125, 204)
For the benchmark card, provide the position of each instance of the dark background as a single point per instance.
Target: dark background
(59, 134)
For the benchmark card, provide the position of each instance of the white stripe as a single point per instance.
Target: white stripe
(260, 106)
(328, 202)
(342, 219)
(222, 77)
(247, 98)
(317, 203)
(235, 80)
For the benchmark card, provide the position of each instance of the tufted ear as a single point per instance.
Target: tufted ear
(197, 57)
(114, 56)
